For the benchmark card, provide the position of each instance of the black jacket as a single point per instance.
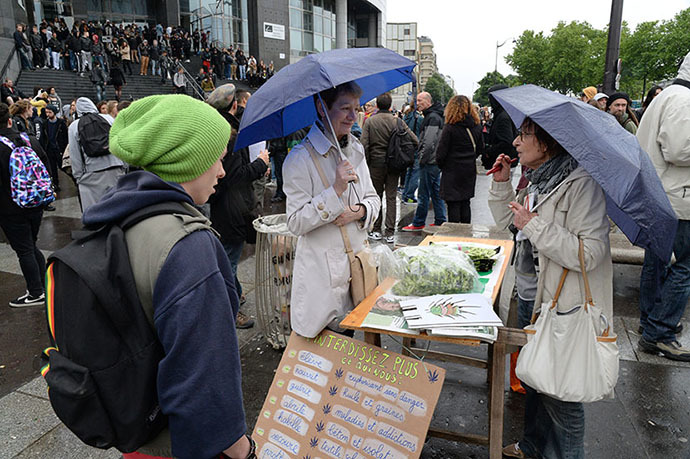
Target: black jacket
(501, 136)
(56, 145)
(232, 205)
(7, 205)
(430, 133)
(456, 157)
(85, 44)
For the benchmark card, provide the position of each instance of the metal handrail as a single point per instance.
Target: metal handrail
(192, 82)
(7, 63)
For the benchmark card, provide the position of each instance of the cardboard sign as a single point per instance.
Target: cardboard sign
(335, 397)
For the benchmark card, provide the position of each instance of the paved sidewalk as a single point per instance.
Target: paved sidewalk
(649, 418)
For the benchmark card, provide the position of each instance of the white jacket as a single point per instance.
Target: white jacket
(664, 134)
(576, 209)
(321, 271)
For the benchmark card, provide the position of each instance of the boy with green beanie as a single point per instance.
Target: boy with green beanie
(180, 267)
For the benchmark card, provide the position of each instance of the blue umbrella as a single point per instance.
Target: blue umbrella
(635, 198)
(284, 103)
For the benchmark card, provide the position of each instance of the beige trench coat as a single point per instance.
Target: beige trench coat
(321, 272)
(576, 209)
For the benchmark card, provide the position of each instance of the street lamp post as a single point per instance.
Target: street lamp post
(613, 46)
(498, 46)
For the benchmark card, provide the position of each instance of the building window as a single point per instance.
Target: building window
(407, 31)
(409, 52)
(312, 26)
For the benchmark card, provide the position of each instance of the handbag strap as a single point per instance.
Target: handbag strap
(474, 145)
(324, 180)
(588, 292)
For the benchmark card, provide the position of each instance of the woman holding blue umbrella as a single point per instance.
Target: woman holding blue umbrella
(562, 206)
(316, 211)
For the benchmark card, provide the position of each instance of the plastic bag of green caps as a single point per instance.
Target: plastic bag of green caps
(434, 269)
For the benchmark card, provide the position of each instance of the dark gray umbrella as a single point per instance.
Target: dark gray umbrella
(635, 198)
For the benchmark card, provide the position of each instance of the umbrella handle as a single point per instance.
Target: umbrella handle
(330, 126)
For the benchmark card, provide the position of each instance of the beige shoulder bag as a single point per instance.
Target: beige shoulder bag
(363, 270)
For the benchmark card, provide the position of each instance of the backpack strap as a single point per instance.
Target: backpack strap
(151, 233)
(7, 142)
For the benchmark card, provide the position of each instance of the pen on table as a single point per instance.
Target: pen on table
(499, 167)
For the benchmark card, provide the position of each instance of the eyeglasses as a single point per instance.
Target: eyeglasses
(522, 135)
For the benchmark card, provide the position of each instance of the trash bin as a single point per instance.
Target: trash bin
(275, 251)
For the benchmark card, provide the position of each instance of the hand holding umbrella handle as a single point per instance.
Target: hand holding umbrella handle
(344, 174)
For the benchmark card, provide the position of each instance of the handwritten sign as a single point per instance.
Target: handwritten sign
(339, 398)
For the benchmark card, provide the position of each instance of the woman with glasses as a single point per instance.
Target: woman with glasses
(561, 206)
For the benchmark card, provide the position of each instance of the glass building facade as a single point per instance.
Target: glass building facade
(225, 20)
(312, 26)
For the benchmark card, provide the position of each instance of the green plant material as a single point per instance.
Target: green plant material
(434, 269)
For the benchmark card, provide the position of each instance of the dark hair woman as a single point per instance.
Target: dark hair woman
(651, 94)
(460, 143)
(571, 208)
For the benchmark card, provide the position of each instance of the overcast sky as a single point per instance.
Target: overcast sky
(465, 32)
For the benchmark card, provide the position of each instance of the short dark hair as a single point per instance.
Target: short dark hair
(241, 95)
(330, 95)
(553, 148)
(4, 114)
(384, 101)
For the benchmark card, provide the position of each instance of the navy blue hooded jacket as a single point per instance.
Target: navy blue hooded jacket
(195, 304)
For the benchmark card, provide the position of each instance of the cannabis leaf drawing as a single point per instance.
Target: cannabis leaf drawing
(433, 376)
(326, 408)
(339, 373)
(333, 391)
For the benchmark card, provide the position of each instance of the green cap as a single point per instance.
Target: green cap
(176, 137)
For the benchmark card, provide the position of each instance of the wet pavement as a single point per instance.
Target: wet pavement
(649, 418)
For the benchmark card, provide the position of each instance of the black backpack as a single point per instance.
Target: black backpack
(93, 131)
(102, 366)
(401, 148)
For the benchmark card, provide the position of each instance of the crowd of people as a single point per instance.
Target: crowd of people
(107, 52)
(333, 176)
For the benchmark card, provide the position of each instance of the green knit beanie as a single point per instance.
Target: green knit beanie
(176, 137)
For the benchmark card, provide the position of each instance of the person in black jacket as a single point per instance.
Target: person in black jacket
(36, 43)
(429, 173)
(460, 143)
(56, 141)
(502, 132)
(21, 225)
(22, 46)
(233, 203)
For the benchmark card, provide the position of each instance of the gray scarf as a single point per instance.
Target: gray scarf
(550, 174)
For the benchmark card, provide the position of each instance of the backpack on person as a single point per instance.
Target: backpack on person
(401, 148)
(30, 183)
(102, 365)
(93, 131)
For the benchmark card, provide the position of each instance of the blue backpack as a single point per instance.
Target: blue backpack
(30, 182)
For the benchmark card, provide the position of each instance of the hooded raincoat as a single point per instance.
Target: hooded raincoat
(664, 133)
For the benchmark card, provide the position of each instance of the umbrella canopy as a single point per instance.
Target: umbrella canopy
(635, 198)
(284, 103)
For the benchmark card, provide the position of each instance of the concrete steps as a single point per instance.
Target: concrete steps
(70, 85)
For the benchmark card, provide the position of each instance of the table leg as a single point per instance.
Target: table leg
(496, 400)
(372, 338)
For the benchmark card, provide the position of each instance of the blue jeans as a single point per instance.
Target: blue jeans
(525, 309)
(100, 93)
(411, 180)
(228, 71)
(234, 252)
(155, 68)
(429, 188)
(243, 72)
(665, 289)
(553, 428)
(73, 61)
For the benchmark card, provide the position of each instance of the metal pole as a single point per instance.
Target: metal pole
(613, 46)
(496, 61)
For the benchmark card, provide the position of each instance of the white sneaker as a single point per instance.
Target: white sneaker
(375, 236)
(390, 239)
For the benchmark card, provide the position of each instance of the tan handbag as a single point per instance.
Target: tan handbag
(363, 270)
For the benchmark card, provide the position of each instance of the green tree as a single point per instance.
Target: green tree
(529, 57)
(438, 88)
(481, 95)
